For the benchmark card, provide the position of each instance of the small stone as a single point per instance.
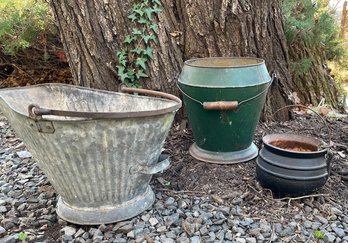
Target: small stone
(80, 240)
(203, 230)
(195, 239)
(217, 199)
(161, 229)
(9, 223)
(229, 236)
(2, 230)
(24, 154)
(329, 238)
(240, 240)
(169, 202)
(171, 219)
(316, 225)
(67, 230)
(102, 227)
(131, 234)
(251, 240)
(126, 228)
(183, 240)
(9, 239)
(339, 232)
(85, 235)
(167, 240)
(79, 233)
(145, 217)
(336, 211)
(153, 221)
(3, 209)
(322, 219)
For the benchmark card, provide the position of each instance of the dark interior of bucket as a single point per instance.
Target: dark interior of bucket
(295, 146)
(224, 62)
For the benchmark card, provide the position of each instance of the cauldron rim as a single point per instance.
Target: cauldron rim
(268, 139)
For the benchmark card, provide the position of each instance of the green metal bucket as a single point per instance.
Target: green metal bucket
(224, 98)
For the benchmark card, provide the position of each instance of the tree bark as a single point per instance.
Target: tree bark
(92, 31)
(315, 83)
(343, 21)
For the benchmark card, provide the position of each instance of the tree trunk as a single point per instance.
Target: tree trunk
(343, 21)
(92, 31)
(315, 82)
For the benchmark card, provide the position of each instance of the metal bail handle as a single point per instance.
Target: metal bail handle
(227, 105)
(162, 164)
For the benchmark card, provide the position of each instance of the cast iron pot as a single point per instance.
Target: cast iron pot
(292, 165)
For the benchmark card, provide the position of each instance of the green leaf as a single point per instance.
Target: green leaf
(148, 12)
(22, 236)
(142, 20)
(137, 50)
(132, 17)
(139, 11)
(141, 74)
(154, 27)
(148, 52)
(319, 234)
(120, 70)
(156, 2)
(129, 39)
(141, 62)
(156, 8)
(147, 38)
(136, 31)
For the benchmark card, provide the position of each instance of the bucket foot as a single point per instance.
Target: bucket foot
(224, 157)
(105, 214)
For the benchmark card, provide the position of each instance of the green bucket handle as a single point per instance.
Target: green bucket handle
(227, 105)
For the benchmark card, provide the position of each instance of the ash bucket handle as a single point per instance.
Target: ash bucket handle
(227, 105)
(36, 112)
(161, 165)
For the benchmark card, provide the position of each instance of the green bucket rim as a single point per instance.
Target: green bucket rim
(259, 61)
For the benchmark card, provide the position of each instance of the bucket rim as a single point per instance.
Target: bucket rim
(259, 61)
(88, 116)
(223, 87)
(269, 138)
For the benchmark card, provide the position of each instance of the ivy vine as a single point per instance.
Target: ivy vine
(133, 58)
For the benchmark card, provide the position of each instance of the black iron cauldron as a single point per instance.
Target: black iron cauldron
(292, 165)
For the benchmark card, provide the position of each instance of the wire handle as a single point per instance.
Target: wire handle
(227, 105)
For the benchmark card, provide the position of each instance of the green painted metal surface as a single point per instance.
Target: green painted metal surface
(224, 79)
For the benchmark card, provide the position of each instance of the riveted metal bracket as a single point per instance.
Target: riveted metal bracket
(37, 121)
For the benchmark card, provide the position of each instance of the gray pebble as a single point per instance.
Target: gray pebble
(339, 232)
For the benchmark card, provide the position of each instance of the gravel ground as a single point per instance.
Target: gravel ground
(27, 204)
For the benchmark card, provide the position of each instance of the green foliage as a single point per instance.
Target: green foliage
(21, 21)
(22, 236)
(313, 24)
(301, 67)
(133, 58)
(318, 234)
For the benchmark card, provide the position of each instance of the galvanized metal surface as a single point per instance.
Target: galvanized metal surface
(89, 161)
(232, 80)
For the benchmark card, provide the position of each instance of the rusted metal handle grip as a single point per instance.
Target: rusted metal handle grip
(221, 105)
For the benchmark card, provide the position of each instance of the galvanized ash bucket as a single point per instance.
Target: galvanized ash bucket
(224, 97)
(99, 149)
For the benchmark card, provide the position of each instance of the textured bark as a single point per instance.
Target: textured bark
(343, 21)
(316, 83)
(93, 30)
